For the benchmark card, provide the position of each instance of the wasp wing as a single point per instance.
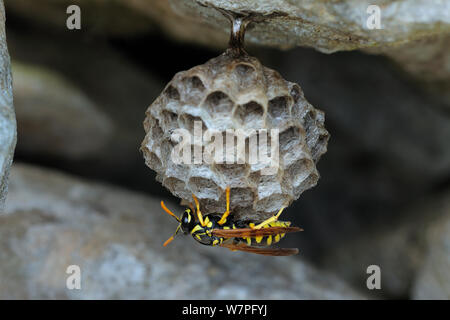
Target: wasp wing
(257, 250)
(250, 232)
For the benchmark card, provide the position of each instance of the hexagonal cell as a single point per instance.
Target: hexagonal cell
(309, 182)
(276, 85)
(153, 161)
(204, 188)
(218, 104)
(250, 115)
(234, 174)
(193, 89)
(279, 109)
(179, 171)
(272, 203)
(156, 131)
(166, 149)
(245, 75)
(173, 183)
(268, 185)
(169, 120)
(176, 186)
(296, 93)
(297, 151)
(243, 197)
(189, 122)
(309, 118)
(289, 138)
(300, 170)
(320, 147)
(171, 93)
(212, 206)
(254, 177)
(148, 122)
(298, 109)
(286, 184)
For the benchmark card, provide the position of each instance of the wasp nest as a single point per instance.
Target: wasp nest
(238, 102)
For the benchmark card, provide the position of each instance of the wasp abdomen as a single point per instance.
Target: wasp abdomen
(265, 240)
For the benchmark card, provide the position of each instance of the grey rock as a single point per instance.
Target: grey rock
(55, 117)
(7, 117)
(115, 237)
(426, 59)
(328, 26)
(433, 278)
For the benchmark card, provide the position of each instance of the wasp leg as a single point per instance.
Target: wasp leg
(199, 213)
(226, 213)
(271, 219)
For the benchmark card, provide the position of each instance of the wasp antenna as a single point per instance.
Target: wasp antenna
(172, 237)
(168, 241)
(168, 211)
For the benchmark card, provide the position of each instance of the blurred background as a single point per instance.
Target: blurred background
(80, 192)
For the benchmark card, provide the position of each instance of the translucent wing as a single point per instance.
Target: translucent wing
(258, 250)
(249, 232)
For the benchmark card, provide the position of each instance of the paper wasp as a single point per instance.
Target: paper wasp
(224, 231)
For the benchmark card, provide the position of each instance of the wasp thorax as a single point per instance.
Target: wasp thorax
(232, 122)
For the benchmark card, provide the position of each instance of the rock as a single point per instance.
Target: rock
(433, 279)
(426, 59)
(56, 118)
(115, 237)
(7, 117)
(328, 26)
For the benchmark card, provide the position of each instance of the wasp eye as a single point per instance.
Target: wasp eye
(186, 218)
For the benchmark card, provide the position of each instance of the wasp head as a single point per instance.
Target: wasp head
(186, 222)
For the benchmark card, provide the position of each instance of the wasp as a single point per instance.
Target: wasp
(224, 231)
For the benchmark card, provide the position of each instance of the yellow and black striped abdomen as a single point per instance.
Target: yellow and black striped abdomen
(266, 240)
